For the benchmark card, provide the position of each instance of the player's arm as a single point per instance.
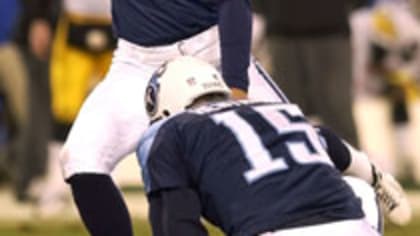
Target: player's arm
(175, 207)
(175, 212)
(235, 30)
(345, 159)
(355, 163)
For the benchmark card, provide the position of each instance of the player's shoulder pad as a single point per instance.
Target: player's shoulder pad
(145, 146)
(154, 129)
(147, 139)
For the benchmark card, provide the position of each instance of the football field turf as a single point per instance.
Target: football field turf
(17, 220)
(74, 228)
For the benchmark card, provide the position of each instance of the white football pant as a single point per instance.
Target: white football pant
(113, 118)
(370, 225)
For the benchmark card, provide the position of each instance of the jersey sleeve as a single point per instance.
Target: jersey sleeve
(235, 29)
(336, 149)
(176, 212)
(161, 158)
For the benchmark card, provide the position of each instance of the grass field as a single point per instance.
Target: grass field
(18, 220)
(74, 228)
(23, 220)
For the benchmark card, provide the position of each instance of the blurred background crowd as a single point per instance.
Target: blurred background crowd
(353, 65)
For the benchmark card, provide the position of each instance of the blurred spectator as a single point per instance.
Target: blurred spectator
(309, 43)
(415, 6)
(81, 54)
(34, 38)
(13, 86)
(386, 41)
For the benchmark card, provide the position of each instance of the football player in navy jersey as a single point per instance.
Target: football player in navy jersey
(249, 167)
(112, 120)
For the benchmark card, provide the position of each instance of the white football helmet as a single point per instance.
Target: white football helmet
(178, 83)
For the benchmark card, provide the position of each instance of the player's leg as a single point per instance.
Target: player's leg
(261, 85)
(342, 228)
(206, 46)
(107, 128)
(112, 109)
(372, 224)
(72, 72)
(370, 205)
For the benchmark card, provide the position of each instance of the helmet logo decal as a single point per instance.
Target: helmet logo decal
(151, 98)
(191, 81)
(152, 91)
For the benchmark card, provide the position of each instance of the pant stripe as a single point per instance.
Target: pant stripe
(380, 218)
(270, 82)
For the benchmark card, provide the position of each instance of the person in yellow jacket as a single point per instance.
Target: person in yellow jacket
(81, 54)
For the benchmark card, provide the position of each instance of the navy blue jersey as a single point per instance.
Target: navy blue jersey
(160, 22)
(163, 22)
(256, 167)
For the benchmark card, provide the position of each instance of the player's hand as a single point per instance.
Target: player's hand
(392, 199)
(238, 94)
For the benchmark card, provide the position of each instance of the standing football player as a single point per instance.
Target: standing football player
(249, 167)
(386, 69)
(111, 120)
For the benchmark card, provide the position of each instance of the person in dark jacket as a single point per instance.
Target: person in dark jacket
(33, 36)
(311, 56)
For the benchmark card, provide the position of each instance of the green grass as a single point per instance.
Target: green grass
(74, 228)
(413, 229)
